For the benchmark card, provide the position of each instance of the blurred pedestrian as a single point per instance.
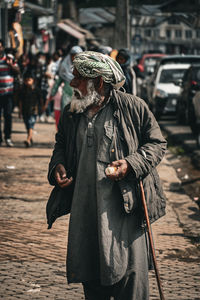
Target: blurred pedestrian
(50, 75)
(24, 62)
(32, 67)
(16, 75)
(56, 99)
(42, 83)
(107, 141)
(57, 59)
(124, 59)
(8, 69)
(65, 76)
(30, 98)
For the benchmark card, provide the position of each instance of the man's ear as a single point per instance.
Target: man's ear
(99, 84)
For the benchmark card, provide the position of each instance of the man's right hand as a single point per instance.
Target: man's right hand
(61, 176)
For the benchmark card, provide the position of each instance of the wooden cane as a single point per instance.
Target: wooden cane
(151, 242)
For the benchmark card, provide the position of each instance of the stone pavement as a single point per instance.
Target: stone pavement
(32, 258)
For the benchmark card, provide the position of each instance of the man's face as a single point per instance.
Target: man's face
(120, 59)
(29, 81)
(85, 95)
(79, 83)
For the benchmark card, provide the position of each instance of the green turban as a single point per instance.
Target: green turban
(92, 64)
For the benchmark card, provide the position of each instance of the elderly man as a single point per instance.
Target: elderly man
(107, 141)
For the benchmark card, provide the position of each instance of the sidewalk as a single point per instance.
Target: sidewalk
(32, 258)
(182, 135)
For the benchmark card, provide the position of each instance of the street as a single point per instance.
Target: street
(32, 258)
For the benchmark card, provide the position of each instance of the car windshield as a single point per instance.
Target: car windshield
(171, 75)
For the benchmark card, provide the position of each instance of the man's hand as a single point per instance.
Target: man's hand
(122, 168)
(61, 176)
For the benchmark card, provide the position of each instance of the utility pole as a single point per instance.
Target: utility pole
(122, 25)
(70, 10)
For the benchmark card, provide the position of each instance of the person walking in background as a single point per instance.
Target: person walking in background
(107, 141)
(124, 59)
(56, 59)
(56, 99)
(16, 75)
(65, 76)
(42, 83)
(8, 68)
(30, 98)
(50, 75)
(24, 62)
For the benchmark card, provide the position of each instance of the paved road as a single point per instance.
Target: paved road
(32, 258)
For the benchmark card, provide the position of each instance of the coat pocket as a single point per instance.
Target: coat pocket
(129, 194)
(106, 145)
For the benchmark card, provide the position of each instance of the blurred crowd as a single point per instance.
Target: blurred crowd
(38, 86)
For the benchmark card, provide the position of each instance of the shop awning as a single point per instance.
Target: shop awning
(70, 30)
(39, 9)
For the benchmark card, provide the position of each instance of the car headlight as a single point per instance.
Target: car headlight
(161, 94)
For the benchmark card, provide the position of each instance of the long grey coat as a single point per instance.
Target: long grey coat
(137, 138)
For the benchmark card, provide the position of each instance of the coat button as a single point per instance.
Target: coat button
(126, 204)
(124, 190)
(113, 150)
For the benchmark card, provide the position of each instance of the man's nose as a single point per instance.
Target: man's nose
(72, 83)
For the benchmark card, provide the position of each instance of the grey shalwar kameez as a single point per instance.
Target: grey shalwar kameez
(104, 242)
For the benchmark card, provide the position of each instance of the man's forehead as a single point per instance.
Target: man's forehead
(77, 74)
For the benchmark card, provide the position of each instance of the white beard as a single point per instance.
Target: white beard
(80, 103)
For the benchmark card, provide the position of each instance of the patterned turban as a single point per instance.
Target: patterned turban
(92, 64)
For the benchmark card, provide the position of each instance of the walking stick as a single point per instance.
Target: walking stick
(151, 242)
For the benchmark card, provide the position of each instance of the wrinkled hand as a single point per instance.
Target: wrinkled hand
(61, 176)
(122, 169)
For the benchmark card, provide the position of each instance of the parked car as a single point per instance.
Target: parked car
(189, 87)
(179, 59)
(163, 90)
(144, 68)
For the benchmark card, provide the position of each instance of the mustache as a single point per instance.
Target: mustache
(80, 103)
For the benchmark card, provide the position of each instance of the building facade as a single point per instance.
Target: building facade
(172, 34)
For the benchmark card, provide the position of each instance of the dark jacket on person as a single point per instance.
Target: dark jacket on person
(137, 138)
(30, 99)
